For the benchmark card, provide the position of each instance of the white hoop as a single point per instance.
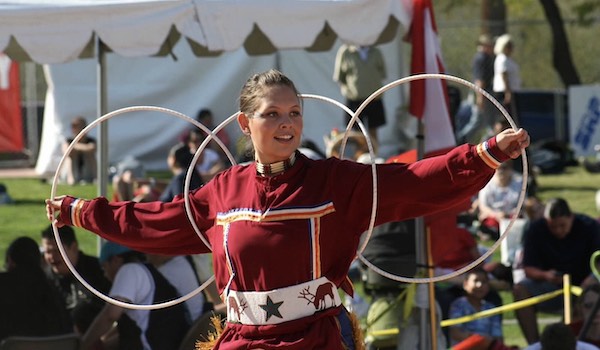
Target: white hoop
(53, 195)
(523, 187)
(188, 176)
(355, 118)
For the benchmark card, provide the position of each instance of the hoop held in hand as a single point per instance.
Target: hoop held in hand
(211, 135)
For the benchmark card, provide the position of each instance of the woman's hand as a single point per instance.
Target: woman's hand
(53, 210)
(512, 142)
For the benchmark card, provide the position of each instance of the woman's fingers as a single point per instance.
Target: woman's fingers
(53, 210)
(513, 142)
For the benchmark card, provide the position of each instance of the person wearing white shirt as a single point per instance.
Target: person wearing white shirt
(507, 76)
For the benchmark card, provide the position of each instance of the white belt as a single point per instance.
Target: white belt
(282, 305)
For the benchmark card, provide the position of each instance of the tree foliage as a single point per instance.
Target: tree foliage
(587, 11)
(460, 24)
(561, 51)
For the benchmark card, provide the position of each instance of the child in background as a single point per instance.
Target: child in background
(476, 286)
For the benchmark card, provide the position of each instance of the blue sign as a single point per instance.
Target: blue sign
(588, 124)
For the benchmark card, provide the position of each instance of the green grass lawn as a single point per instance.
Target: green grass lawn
(26, 217)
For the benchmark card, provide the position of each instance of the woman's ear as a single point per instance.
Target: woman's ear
(243, 123)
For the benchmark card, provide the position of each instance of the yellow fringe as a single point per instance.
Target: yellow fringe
(213, 336)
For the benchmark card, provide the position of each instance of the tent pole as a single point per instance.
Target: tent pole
(431, 285)
(420, 247)
(102, 151)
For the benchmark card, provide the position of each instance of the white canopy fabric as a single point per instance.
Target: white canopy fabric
(57, 31)
(62, 31)
(230, 24)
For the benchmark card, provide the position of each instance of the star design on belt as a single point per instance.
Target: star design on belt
(271, 308)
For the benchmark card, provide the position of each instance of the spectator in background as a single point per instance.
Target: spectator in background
(81, 164)
(360, 71)
(560, 243)
(499, 200)
(209, 163)
(137, 282)
(5, 198)
(483, 112)
(29, 304)
(559, 336)
(534, 208)
(588, 328)
(452, 248)
(206, 117)
(476, 287)
(78, 300)
(179, 161)
(180, 272)
(129, 182)
(356, 149)
(507, 77)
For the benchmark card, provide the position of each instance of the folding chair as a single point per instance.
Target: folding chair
(59, 342)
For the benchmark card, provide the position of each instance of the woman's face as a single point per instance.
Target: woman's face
(276, 126)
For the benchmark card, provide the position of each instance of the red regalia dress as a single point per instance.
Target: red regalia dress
(270, 233)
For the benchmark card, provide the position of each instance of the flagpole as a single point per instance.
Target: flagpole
(427, 105)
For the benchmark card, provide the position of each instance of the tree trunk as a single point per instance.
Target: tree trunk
(493, 17)
(561, 54)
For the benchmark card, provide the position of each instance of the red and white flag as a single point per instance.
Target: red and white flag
(11, 122)
(429, 97)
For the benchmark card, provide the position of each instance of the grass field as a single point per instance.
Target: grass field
(26, 217)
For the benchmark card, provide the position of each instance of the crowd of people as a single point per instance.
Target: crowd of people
(288, 201)
(45, 298)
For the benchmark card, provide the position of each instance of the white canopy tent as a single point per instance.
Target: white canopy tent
(284, 33)
(57, 31)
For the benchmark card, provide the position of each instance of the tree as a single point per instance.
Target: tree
(493, 17)
(561, 53)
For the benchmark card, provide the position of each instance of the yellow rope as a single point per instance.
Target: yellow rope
(490, 312)
(513, 306)
(486, 313)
